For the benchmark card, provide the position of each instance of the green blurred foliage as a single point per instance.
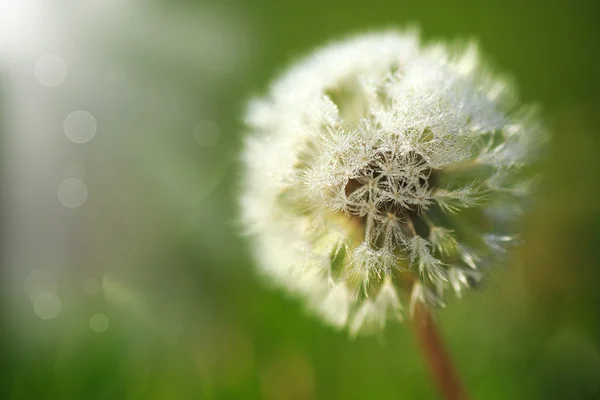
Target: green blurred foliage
(189, 316)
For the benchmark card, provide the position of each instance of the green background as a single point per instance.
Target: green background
(190, 318)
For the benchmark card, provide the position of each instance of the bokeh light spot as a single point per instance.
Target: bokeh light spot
(206, 133)
(47, 305)
(80, 126)
(99, 323)
(72, 192)
(51, 70)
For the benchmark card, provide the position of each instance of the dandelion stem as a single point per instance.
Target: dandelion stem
(437, 357)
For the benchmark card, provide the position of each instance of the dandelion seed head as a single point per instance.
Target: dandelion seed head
(378, 158)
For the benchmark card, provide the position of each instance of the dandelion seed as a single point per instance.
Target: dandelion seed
(443, 240)
(461, 279)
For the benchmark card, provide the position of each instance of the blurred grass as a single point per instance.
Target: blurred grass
(190, 318)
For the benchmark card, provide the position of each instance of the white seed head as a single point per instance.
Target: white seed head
(377, 161)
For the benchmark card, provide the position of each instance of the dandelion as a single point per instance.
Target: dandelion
(379, 169)
(378, 161)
